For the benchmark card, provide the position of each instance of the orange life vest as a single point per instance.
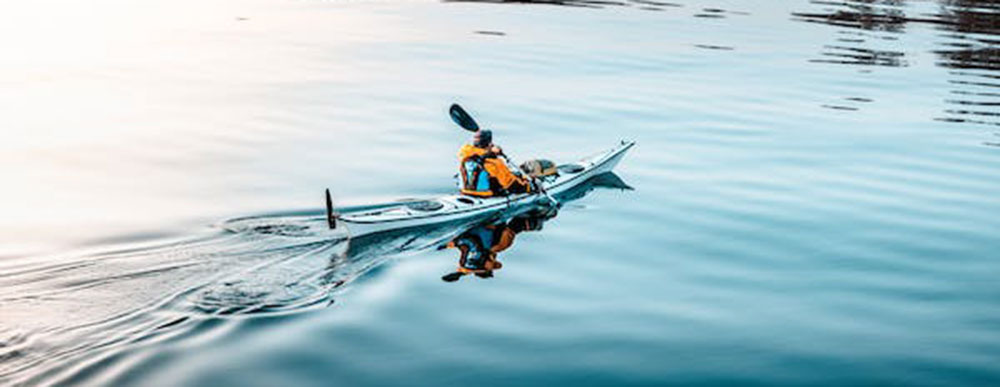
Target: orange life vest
(482, 173)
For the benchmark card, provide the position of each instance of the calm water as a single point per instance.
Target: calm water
(815, 192)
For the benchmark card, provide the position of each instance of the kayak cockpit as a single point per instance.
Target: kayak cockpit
(425, 205)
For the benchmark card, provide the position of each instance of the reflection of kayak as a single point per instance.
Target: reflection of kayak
(454, 208)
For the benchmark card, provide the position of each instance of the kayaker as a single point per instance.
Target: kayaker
(482, 171)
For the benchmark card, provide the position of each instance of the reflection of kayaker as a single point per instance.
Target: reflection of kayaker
(479, 246)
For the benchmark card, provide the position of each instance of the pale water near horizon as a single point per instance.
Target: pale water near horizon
(815, 192)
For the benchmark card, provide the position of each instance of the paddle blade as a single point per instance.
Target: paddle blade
(331, 217)
(462, 118)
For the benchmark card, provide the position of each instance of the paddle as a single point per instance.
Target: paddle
(462, 118)
(452, 277)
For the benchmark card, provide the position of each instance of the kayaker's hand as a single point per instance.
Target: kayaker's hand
(496, 150)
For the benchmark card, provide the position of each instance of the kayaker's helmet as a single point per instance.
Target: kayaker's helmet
(482, 138)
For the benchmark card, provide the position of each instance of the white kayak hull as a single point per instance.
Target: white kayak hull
(463, 208)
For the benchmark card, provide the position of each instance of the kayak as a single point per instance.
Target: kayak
(458, 207)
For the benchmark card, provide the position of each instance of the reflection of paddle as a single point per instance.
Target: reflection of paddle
(452, 277)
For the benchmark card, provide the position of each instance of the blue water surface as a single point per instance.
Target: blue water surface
(815, 193)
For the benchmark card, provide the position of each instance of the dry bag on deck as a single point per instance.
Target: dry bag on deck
(539, 168)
